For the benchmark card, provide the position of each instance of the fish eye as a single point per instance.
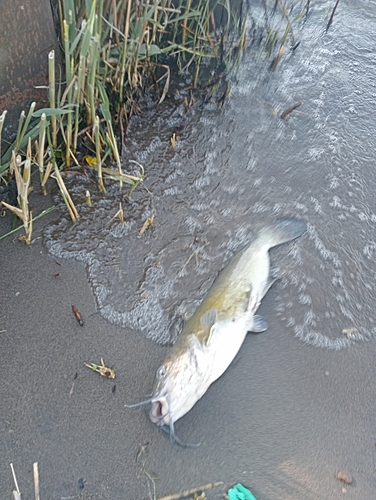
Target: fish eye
(161, 371)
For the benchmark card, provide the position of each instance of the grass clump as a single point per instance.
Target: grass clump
(112, 49)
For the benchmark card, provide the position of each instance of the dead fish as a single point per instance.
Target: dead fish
(213, 336)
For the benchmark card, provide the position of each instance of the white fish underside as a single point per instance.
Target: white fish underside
(213, 336)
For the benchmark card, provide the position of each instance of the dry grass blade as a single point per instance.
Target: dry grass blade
(27, 237)
(52, 98)
(16, 492)
(120, 214)
(102, 369)
(66, 197)
(47, 173)
(167, 83)
(152, 480)
(73, 382)
(2, 120)
(187, 493)
(41, 149)
(98, 154)
(88, 197)
(148, 223)
(36, 480)
(45, 212)
(23, 186)
(116, 176)
(111, 174)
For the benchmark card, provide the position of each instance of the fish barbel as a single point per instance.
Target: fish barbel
(211, 339)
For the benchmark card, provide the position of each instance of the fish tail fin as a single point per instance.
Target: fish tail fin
(282, 231)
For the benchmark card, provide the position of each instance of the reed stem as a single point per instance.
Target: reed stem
(41, 143)
(52, 95)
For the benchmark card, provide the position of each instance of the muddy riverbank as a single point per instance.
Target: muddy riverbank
(283, 419)
(296, 406)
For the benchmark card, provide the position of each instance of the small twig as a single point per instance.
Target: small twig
(36, 480)
(77, 315)
(89, 127)
(222, 99)
(187, 493)
(289, 110)
(122, 134)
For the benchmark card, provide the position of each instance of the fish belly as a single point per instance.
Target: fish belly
(226, 342)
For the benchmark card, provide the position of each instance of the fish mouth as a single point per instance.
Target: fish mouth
(160, 412)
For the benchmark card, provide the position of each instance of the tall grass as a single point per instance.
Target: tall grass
(111, 49)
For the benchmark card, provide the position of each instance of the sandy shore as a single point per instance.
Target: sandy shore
(282, 420)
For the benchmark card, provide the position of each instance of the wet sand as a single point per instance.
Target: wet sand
(283, 419)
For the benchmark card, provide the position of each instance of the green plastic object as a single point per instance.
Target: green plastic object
(239, 492)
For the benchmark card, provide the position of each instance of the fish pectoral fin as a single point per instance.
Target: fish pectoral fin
(257, 324)
(272, 278)
(255, 299)
(208, 321)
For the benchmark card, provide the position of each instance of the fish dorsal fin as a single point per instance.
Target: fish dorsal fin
(208, 321)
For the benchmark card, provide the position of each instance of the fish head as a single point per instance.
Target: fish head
(179, 384)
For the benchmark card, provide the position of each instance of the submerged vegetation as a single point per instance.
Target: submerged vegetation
(114, 50)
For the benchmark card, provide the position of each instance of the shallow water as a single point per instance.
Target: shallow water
(234, 170)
